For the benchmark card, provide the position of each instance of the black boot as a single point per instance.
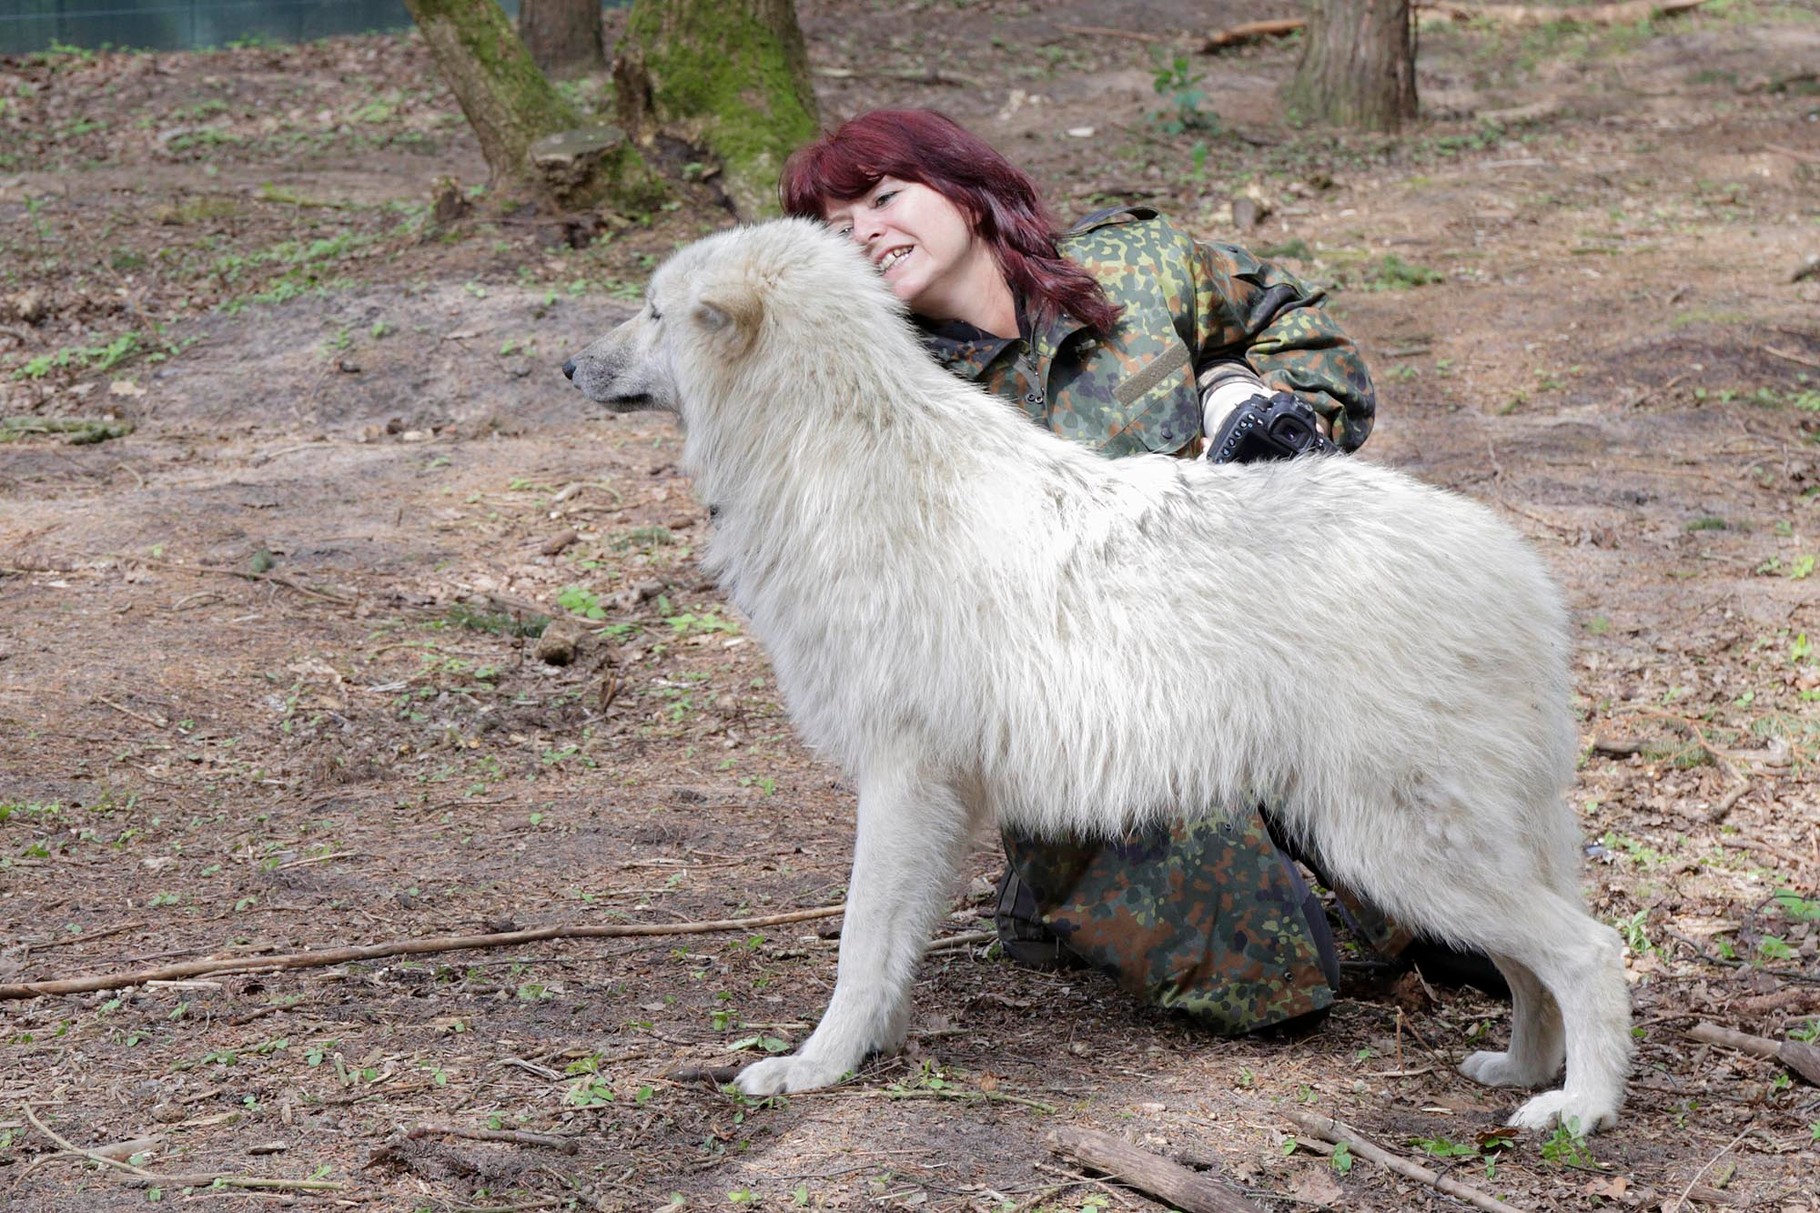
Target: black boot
(1022, 934)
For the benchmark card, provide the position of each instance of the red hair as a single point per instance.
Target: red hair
(998, 198)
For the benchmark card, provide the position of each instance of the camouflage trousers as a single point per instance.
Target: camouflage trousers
(1208, 917)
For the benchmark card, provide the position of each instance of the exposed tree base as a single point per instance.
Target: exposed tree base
(729, 78)
(1357, 67)
(580, 169)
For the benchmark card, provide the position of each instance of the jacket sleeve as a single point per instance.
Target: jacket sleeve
(1251, 310)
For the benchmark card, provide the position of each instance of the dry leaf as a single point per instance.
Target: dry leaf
(1316, 1185)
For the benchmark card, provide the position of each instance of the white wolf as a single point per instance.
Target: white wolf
(978, 619)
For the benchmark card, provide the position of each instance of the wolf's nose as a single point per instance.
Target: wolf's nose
(568, 370)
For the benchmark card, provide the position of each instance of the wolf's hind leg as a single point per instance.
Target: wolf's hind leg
(1538, 1044)
(1579, 963)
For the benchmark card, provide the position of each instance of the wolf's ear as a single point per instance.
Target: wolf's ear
(731, 316)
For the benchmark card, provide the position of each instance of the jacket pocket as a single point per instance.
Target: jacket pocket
(1159, 407)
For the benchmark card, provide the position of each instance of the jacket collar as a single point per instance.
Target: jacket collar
(967, 351)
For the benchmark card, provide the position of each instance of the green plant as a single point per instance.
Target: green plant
(1174, 80)
(1567, 1147)
(582, 602)
(1442, 1147)
(1796, 907)
(1635, 933)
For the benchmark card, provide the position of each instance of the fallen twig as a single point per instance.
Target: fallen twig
(388, 1151)
(939, 79)
(398, 947)
(1727, 803)
(208, 1179)
(953, 943)
(70, 1147)
(1681, 1201)
(1106, 31)
(154, 721)
(720, 1076)
(1188, 1190)
(63, 941)
(1250, 31)
(140, 1177)
(518, 1137)
(1813, 362)
(1799, 1056)
(245, 575)
(1329, 1129)
(1628, 12)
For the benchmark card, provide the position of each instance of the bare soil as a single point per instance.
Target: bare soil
(264, 686)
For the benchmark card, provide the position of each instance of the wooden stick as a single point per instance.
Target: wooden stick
(1680, 1202)
(244, 575)
(63, 941)
(1104, 31)
(209, 1179)
(1813, 362)
(72, 1148)
(1190, 1191)
(1802, 1058)
(1628, 12)
(518, 1137)
(1328, 1128)
(397, 947)
(1250, 31)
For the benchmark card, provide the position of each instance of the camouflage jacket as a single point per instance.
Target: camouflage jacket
(1208, 918)
(1186, 304)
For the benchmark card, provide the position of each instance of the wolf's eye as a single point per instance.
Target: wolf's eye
(655, 314)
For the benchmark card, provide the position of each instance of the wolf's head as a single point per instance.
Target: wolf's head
(740, 311)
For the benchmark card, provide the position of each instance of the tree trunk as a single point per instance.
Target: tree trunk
(1358, 65)
(727, 77)
(519, 118)
(563, 36)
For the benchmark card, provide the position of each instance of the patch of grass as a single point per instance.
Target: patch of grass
(1391, 273)
(1294, 248)
(204, 137)
(496, 623)
(101, 358)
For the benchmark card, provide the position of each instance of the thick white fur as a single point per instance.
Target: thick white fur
(977, 619)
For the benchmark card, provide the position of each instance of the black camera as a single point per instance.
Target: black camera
(1278, 426)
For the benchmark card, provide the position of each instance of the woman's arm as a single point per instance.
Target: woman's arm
(1251, 311)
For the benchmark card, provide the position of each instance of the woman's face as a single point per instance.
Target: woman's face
(923, 245)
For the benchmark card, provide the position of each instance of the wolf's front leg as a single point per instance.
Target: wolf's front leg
(912, 830)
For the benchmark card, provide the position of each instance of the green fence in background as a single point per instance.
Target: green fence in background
(36, 25)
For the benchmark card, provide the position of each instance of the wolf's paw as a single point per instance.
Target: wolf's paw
(1581, 1114)
(780, 1075)
(1499, 1070)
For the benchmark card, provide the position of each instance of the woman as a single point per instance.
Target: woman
(1129, 336)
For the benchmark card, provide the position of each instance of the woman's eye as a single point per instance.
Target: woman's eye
(883, 199)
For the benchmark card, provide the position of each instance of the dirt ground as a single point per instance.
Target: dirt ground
(266, 685)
